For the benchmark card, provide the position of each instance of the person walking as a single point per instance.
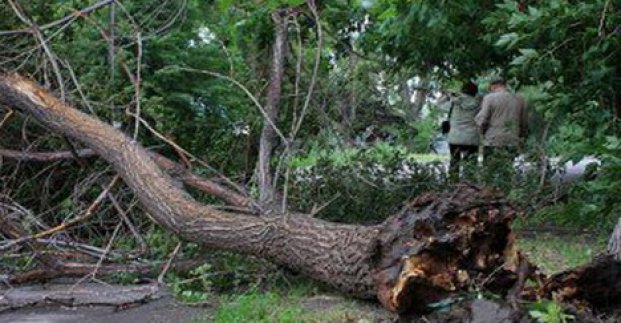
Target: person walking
(463, 134)
(502, 122)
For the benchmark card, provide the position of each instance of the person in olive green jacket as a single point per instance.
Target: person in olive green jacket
(463, 135)
(503, 123)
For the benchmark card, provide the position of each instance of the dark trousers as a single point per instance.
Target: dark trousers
(462, 154)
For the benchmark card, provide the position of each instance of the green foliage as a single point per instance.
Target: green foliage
(362, 184)
(595, 202)
(160, 243)
(547, 311)
(196, 288)
(433, 37)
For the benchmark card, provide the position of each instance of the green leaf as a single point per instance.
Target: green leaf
(519, 60)
(507, 40)
(528, 52)
(388, 13)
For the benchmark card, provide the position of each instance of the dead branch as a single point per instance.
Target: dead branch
(78, 269)
(6, 117)
(174, 169)
(144, 248)
(45, 157)
(68, 224)
(61, 21)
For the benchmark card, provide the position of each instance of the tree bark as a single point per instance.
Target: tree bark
(437, 246)
(272, 107)
(614, 243)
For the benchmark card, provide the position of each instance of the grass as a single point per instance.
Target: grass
(293, 306)
(555, 253)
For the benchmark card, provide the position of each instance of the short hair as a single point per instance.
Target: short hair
(497, 80)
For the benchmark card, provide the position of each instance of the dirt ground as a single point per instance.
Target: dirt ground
(164, 309)
(68, 304)
(64, 303)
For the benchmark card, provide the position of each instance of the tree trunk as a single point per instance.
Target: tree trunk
(614, 243)
(272, 107)
(338, 254)
(437, 246)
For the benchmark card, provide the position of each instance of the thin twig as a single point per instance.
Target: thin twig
(187, 153)
(137, 84)
(93, 274)
(123, 214)
(160, 278)
(316, 210)
(602, 20)
(63, 20)
(77, 84)
(48, 51)
(65, 225)
(80, 247)
(313, 81)
(6, 117)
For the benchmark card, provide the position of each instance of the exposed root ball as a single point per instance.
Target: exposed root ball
(442, 244)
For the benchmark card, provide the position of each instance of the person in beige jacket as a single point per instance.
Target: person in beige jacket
(502, 122)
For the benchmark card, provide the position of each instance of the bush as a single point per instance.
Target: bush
(362, 185)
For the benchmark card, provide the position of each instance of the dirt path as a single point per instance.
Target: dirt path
(165, 309)
(73, 307)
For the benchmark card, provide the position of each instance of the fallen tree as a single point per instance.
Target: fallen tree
(438, 245)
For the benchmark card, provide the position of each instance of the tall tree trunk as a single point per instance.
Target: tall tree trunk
(437, 246)
(268, 134)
